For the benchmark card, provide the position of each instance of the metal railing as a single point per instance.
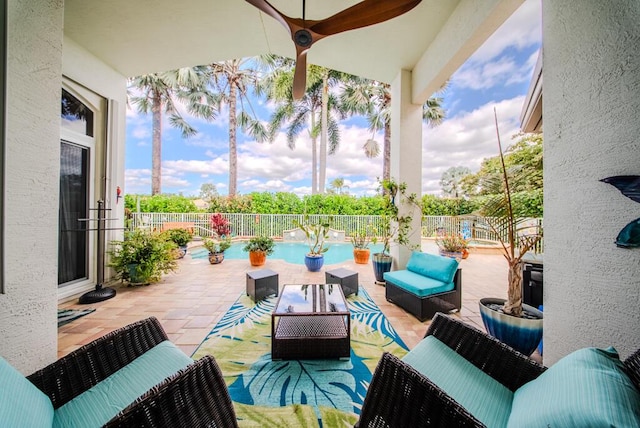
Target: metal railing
(245, 225)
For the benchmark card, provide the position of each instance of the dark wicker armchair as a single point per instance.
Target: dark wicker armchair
(193, 397)
(399, 396)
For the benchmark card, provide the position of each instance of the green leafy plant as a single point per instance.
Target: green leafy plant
(316, 234)
(394, 227)
(516, 236)
(452, 243)
(260, 243)
(143, 256)
(362, 238)
(181, 237)
(217, 245)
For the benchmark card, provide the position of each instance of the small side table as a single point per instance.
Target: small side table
(261, 283)
(347, 279)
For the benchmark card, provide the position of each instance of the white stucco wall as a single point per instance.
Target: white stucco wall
(592, 131)
(28, 330)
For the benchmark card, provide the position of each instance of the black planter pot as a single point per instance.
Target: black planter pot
(522, 334)
(381, 264)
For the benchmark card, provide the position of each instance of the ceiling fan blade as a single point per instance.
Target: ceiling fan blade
(300, 74)
(267, 8)
(363, 14)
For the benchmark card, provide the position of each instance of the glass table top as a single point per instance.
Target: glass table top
(310, 298)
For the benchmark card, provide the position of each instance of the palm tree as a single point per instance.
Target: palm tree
(337, 184)
(230, 82)
(152, 92)
(373, 100)
(306, 113)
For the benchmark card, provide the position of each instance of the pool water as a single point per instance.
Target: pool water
(291, 252)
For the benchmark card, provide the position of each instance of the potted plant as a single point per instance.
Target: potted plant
(452, 245)
(392, 227)
(219, 225)
(259, 247)
(181, 237)
(316, 234)
(143, 256)
(511, 321)
(360, 241)
(217, 247)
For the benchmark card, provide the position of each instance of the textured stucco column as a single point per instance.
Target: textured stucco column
(406, 155)
(591, 102)
(28, 328)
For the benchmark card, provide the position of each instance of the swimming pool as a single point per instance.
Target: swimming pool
(291, 252)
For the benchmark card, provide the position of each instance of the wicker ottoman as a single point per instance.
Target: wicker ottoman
(347, 279)
(261, 283)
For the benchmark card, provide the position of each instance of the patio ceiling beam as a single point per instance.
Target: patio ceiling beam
(470, 25)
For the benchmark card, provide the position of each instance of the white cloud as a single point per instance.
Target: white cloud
(467, 139)
(490, 65)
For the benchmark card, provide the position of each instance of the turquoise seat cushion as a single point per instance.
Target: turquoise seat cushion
(436, 267)
(417, 284)
(22, 404)
(98, 405)
(587, 388)
(484, 397)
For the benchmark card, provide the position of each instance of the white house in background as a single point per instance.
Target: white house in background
(82, 51)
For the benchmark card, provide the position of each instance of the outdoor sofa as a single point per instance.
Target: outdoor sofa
(429, 284)
(132, 377)
(458, 376)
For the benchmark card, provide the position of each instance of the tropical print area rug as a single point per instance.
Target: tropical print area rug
(298, 393)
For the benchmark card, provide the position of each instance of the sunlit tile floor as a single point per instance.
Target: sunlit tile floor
(191, 300)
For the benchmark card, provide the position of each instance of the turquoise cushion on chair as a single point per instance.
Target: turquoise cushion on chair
(587, 388)
(417, 284)
(22, 404)
(484, 397)
(98, 405)
(436, 267)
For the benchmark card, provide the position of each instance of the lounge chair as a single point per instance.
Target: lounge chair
(117, 369)
(475, 381)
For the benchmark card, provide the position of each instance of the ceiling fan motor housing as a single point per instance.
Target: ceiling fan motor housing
(302, 38)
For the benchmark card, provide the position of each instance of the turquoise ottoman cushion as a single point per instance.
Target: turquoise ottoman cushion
(484, 397)
(22, 404)
(98, 405)
(436, 267)
(417, 284)
(587, 388)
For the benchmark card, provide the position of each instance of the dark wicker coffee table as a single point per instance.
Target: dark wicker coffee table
(310, 321)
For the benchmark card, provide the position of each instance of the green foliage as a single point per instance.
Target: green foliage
(260, 243)
(316, 234)
(453, 243)
(217, 245)
(151, 254)
(180, 237)
(161, 203)
(208, 191)
(362, 238)
(434, 205)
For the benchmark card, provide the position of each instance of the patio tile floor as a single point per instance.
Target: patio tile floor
(191, 300)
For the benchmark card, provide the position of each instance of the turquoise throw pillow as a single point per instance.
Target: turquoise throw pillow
(436, 267)
(587, 388)
(22, 404)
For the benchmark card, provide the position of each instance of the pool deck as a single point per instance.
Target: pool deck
(190, 301)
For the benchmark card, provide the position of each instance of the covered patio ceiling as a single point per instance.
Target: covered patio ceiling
(137, 37)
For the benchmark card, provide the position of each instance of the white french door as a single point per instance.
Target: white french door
(82, 148)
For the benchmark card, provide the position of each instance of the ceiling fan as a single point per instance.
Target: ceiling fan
(305, 33)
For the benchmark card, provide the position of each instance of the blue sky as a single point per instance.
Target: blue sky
(497, 75)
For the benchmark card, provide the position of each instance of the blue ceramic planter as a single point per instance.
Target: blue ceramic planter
(522, 334)
(381, 264)
(314, 264)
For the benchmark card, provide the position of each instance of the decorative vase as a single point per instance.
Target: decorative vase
(458, 255)
(465, 253)
(182, 251)
(215, 258)
(361, 255)
(134, 276)
(257, 258)
(521, 333)
(381, 264)
(314, 263)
